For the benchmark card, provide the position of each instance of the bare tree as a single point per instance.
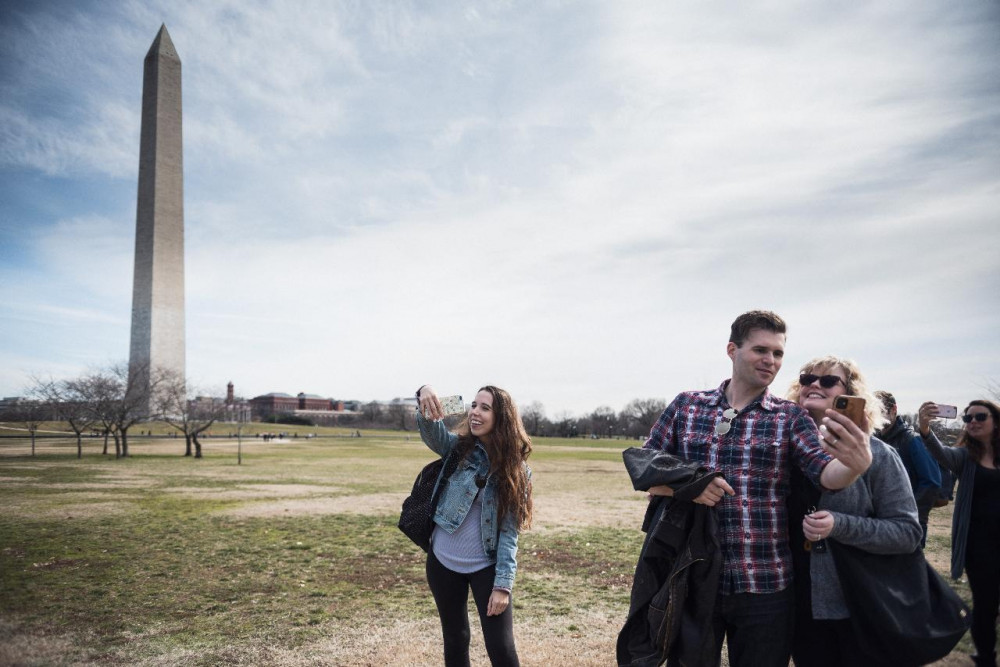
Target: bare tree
(372, 412)
(102, 390)
(566, 426)
(993, 389)
(70, 403)
(120, 398)
(602, 421)
(640, 414)
(175, 403)
(533, 416)
(400, 414)
(32, 412)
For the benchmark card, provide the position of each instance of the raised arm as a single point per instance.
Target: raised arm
(432, 429)
(951, 458)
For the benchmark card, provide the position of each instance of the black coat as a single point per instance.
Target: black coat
(677, 576)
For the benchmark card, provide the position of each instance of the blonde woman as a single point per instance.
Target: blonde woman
(876, 513)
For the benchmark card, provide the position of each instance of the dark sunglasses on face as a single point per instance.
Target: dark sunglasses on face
(825, 381)
(979, 417)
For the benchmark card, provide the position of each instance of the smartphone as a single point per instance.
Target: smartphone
(852, 407)
(452, 405)
(946, 411)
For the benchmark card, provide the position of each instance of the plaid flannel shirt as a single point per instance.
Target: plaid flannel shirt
(766, 437)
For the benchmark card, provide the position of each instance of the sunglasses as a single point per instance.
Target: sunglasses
(979, 417)
(723, 427)
(825, 381)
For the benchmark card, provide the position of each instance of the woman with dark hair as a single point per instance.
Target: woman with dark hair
(975, 524)
(482, 507)
(877, 513)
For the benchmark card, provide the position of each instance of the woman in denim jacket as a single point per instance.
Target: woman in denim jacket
(482, 507)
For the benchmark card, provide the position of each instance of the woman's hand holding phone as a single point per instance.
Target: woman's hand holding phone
(845, 441)
(430, 405)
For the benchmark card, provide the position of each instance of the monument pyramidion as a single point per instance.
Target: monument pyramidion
(158, 285)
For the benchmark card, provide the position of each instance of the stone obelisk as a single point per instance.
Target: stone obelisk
(158, 283)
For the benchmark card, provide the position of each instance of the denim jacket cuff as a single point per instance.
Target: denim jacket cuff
(504, 582)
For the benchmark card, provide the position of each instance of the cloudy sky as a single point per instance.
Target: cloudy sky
(572, 200)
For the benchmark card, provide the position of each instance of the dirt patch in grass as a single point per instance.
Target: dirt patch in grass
(589, 639)
(131, 482)
(26, 509)
(376, 503)
(551, 511)
(565, 510)
(17, 481)
(21, 647)
(377, 640)
(254, 491)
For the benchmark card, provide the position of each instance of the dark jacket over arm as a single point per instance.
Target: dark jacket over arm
(677, 576)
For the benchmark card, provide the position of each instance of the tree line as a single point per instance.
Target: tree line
(111, 401)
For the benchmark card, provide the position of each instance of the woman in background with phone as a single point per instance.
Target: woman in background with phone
(975, 524)
(877, 513)
(483, 506)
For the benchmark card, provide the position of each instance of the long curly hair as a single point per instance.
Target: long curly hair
(976, 448)
(508, 447)
(856, 386)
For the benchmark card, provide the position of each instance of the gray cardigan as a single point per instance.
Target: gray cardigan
(877, 513)
(958, 461)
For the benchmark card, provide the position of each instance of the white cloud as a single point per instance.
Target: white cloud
(572, 200)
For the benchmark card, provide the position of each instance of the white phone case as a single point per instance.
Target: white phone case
(452, 405)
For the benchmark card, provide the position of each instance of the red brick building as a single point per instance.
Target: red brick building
(277, 403)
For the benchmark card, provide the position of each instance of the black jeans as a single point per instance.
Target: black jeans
(451, 594)
(825, 644)
(982, 564)
(757, 627)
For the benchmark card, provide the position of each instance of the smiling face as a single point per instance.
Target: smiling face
(817, 399)
(758, 360)
(481, 415)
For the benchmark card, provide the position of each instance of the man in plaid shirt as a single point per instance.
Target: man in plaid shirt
(753, 438)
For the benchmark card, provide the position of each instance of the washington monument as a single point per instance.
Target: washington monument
(158, 283)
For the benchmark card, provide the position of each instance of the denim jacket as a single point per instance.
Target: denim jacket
(460, 491)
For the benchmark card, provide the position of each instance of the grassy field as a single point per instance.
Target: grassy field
(293, 557)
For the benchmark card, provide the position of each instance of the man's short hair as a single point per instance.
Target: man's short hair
(888, 400)
(755, 319)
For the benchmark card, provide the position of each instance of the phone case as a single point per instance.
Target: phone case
(852, 407)
(947, 411)
(452, 405)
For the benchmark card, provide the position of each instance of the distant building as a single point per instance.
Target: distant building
(12, 401)
(229, 409)
(275, 403)
(311, 406)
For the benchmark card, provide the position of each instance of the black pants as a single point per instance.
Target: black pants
(982, 564)
(825, 644)
(757, 627)
(451, 594)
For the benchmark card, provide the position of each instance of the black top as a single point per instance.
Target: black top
(984, 524)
